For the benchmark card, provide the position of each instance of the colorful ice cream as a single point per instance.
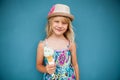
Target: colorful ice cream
(48, 53)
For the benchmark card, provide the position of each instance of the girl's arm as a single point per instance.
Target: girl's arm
(39, 61)
(74, 60)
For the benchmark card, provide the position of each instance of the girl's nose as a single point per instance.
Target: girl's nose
(60, 25)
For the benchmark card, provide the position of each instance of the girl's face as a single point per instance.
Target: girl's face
(59, 25)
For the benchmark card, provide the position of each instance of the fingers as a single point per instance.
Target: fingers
(51, 68)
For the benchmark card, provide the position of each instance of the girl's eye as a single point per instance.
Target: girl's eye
(57, 21)
(64, 23)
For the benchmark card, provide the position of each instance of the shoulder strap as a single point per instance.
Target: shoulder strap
(45, 42)
(68, 46)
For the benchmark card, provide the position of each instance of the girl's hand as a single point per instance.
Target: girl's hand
(51, 68)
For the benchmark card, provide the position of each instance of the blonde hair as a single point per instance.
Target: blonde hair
(69, 34)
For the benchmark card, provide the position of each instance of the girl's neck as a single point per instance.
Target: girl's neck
(57, 37)
(57, 42)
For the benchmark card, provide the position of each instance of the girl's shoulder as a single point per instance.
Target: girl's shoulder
(41, 43)
(72, 45)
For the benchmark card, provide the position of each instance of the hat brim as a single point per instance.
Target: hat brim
(61, 14)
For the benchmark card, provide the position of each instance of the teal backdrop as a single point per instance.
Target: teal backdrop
(97, 31)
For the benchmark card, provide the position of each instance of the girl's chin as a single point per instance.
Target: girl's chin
(58, 34)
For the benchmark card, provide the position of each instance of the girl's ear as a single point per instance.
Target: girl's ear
(50, 22)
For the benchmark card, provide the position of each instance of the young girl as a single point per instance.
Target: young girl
(56, 55)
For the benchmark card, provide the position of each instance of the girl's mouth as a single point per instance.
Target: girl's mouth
(59, 30)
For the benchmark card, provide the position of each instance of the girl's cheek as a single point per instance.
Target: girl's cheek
(54, 24)
(65, 27)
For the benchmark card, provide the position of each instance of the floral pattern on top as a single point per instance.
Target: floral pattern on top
(64, 69)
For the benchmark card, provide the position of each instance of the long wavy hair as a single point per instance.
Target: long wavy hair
(69, 34)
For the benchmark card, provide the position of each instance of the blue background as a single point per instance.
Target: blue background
(97, 29)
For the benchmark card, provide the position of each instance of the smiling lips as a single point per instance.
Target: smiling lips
(59, 30)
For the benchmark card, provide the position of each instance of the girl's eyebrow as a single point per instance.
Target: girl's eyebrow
(56, 20)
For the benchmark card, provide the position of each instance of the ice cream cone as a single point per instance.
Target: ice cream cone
(48, 53)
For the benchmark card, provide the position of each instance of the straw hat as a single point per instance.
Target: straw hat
(60, 10)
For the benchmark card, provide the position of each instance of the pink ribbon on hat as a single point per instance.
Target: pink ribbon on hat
(51, 10)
